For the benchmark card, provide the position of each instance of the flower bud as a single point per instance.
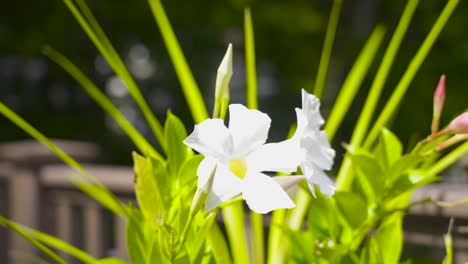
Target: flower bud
(459, 125)
(222, 83)
(439, 99)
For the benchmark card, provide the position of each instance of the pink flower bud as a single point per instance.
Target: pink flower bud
(459, 125)
(439, 99)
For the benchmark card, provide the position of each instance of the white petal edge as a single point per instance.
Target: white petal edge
(311, 108)
(315, 176)
(248, 127)
(211, 138)
(263, 194)
(225, 186)
(318, 150)
(284, 156)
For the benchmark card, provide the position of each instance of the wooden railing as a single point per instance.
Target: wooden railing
(35, 191)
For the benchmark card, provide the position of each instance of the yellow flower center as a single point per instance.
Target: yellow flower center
(238, 167)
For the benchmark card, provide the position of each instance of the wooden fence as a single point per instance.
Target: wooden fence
(35, 191)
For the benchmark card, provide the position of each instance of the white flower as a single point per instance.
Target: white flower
(240, 155)
(314, 145)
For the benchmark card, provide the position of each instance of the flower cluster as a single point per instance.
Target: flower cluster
(239, 155)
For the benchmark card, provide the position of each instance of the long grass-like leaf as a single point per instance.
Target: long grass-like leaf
(392, 105)
(360, 130)
(448, 159)
(84, 179)
(106, 104)
(327, 48)
(353, 81)
(91, 27)
(189, 86)
(52, 255)
(250, 67)
(59, 244)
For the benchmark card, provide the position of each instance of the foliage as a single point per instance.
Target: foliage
(361, 223)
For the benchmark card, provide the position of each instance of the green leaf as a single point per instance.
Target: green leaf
(371, 254)
(352, 207)
(177, 151)
(189, 86)
(250, 67)
(406, 163)
(389, 149)
(322, 219)
(147, 191)
(390, 238)
(139, 237)
(111, 261)
(370, 175)
(24, 233)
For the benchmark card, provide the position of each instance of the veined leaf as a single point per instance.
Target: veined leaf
(177, 151)
(147, 191)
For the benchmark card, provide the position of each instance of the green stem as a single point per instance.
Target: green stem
(327, 48)
(345, 178)
(275, 236)
(251, 72)
(294, 221)
(354, 80)
(448, 159)
(391, 107)
(256, 220)
(234, 222)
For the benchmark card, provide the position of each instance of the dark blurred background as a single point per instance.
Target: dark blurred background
(289, 36)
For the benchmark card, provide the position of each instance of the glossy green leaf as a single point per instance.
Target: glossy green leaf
(371, 253)
(111, 261)
(322, 220)
(390, 238)
(406, 163)
(147, 191)
(389, 149)
(370, 175)
(139, 237)
(177, 151)
(352, 207)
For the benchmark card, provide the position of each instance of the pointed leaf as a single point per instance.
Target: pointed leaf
(177, 151)
(352, 207)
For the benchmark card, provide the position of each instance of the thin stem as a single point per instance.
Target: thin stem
(251, 72)
(448, 159)
(234, 222)
(327, 48)
(392, 104)
(256, 220)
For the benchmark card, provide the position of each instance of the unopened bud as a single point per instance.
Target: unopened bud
(439, 99)
(459, 125)
(222, 83)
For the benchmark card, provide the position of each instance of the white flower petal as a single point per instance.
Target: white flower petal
(248, 128)
(316, 176)
(318, 150)
(284, 156)
(211, 138)
(263, 194)
(204, 171)
(225, 186)
(310, 106)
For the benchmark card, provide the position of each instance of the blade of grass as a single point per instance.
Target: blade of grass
(353, 81)
(189, 86)
(100, 193)
(218, 244)
(91, 27)
(344, 180)
(59, 244)
(52, 255)
(250, 68)
(392, 104)
(102, 100)
(321, 78)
